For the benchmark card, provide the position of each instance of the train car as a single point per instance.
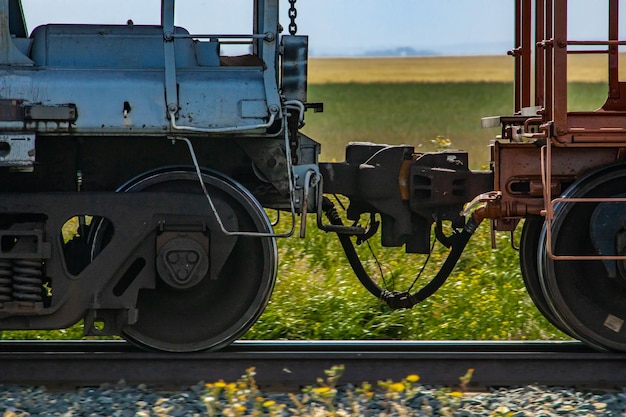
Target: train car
(559, 170)
(164, 152)
(562, 170)
(137, 163)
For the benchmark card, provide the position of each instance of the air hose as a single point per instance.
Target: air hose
(398, 299)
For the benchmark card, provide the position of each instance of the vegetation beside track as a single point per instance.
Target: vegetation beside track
(317, 295)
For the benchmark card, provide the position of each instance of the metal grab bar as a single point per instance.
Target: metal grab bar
(226, 129)
(266, 36)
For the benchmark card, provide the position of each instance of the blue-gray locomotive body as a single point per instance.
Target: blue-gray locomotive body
(108, 131)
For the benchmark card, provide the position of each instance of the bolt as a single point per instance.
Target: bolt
(192, 257)
(172, 257)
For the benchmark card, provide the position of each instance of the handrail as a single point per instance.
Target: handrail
(266, 36)
(607, 42)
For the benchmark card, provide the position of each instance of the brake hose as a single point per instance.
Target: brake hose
(398, 299)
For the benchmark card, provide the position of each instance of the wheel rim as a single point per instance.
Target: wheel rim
(581, 294)
(214, 312)
(529, 250)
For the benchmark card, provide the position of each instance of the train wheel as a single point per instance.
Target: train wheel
(589, 297)
(212, 312)
(529, 246)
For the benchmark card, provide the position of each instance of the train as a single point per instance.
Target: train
(138, 162)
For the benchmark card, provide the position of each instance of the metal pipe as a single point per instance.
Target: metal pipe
(214, 209)
(226, 129)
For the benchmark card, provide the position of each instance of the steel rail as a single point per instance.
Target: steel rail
(292, 365)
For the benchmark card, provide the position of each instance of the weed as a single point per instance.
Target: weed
(328, 398)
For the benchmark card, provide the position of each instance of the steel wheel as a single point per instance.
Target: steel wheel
(529, 251)
(589, 300)
(208, 312)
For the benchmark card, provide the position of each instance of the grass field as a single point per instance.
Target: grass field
(317, 295)
(407, 113)
(416, 113)
(583, 68)
(413, 100)
(410, 69)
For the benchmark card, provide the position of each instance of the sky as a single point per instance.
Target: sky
(339, 27)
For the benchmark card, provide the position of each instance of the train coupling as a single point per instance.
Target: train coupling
(410, 191)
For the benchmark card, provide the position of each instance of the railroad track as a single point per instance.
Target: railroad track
(291, 365)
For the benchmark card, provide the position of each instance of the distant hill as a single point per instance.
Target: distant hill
(400, 51)
(457, 49)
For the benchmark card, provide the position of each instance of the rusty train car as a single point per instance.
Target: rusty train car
(162, 153)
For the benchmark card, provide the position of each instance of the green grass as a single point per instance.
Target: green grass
(318, 297)
(416, 113)
(586, 96)
(411, 114)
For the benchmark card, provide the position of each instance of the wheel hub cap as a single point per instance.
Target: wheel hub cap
(182, 263)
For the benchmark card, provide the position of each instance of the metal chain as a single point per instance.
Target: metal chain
(293, 125)
(293, 13)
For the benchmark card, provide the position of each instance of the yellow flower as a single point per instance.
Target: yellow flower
(269, 403)
(396, 387)
(241, 408)
(232, 386)
(413, 378)
(456, 394)
(321, 390)
(220, 384)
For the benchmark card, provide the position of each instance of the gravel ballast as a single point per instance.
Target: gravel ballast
(122, 400)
